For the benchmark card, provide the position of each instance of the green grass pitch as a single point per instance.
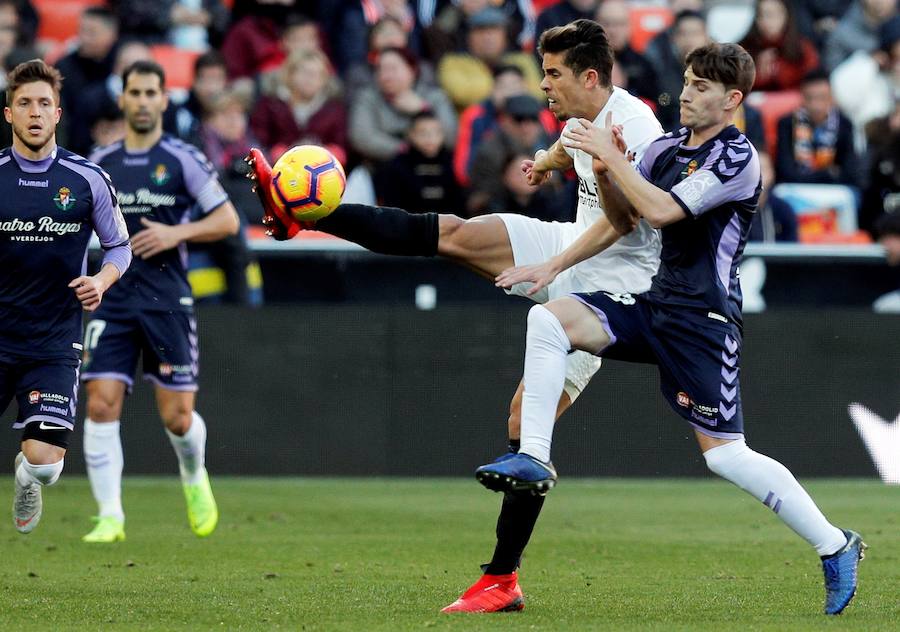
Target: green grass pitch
(387, 554)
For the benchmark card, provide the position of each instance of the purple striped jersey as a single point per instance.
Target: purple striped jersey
(172, 182)
(48, 210)
(718, 185)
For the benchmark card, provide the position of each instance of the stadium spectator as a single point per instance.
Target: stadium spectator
(109, 126)
(86, 70)
(815, 143)
(210, 80)
(882, 194)
(449, 31)
(420, 178)
(816, 19)
(613, 15)
(547, 203)
(857, 30)
(564, 12)
(519, 131)
(253, 45)
(21, 18)
(358, 18)
(188, 24)
(666, 54)
(478, 120)
(781, 54)
(226, 138)
(381, 114)
(467, 76)
(865, 86)
(304, 108)
(386, 33)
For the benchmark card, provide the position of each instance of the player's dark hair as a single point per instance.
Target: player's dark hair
(728, 64)
(688, 14)
(209, 59)
(144, 67)
(30, 72)
(586, 46)
(103, 14)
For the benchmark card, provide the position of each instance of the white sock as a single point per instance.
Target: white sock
(190, 449)
(104, 459)
(770, 482)
(546, 348)
(28, 473)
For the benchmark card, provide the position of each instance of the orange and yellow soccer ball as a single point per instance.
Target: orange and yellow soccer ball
(308, 182)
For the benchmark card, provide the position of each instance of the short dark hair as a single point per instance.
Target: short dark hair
(586, 46)
(815, 75)
(30, 72)
(728, 64)
(505, 68)
(102, 13)
(144, 67)
(424, 115)
(688, 14)
(209, 59)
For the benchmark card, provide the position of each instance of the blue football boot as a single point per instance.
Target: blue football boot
(517, 473)
(840, 573)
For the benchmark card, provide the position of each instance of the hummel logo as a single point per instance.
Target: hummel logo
(45, 426)
(882, 439)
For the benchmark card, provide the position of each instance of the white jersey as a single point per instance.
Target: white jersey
(628, 264)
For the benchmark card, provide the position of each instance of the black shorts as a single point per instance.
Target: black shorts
(46, 392)
(698, 355)
(166, 340)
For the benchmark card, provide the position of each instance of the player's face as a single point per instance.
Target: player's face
(705, 103)
(143, 101)
(34, 114)
(567, 95)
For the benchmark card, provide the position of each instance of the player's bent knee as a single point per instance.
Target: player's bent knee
(720, 459)
(103, 409)
(177, 421)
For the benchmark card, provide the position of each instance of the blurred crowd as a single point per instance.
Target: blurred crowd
(433, 104)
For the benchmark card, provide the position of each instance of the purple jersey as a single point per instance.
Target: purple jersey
(717, 184)
(47, 214)
(165, 183)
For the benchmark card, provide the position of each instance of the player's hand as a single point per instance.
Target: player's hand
(89, 291)
(535, 177)
(540, 275)
(154, 239)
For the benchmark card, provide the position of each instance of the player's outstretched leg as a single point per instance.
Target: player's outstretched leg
(278, 225)
(840, 573)
(491, 593)
(104, 458)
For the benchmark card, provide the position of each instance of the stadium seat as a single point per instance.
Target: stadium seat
(646, 21)
(826, 213)
(772, 106)
(58, 19)
(178, 64)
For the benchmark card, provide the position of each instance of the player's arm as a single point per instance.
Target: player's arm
(157, 237)
(113, 235)
(658, 207)
(597, 238)
(545, 162)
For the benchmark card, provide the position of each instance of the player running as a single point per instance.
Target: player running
(577, 63)
(160, 180)
(53, 201)
(700, 185)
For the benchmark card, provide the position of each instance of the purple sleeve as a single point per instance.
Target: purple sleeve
(106, 216)
(200, 177)
(730, 173)
(645, 166)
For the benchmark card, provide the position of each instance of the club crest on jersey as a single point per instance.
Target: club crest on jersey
(690, 169)
(34, 397)
(63, 199)
(160, 175)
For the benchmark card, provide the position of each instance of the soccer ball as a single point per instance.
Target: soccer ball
(307, 182)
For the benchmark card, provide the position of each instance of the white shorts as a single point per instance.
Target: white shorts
(534, 241)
